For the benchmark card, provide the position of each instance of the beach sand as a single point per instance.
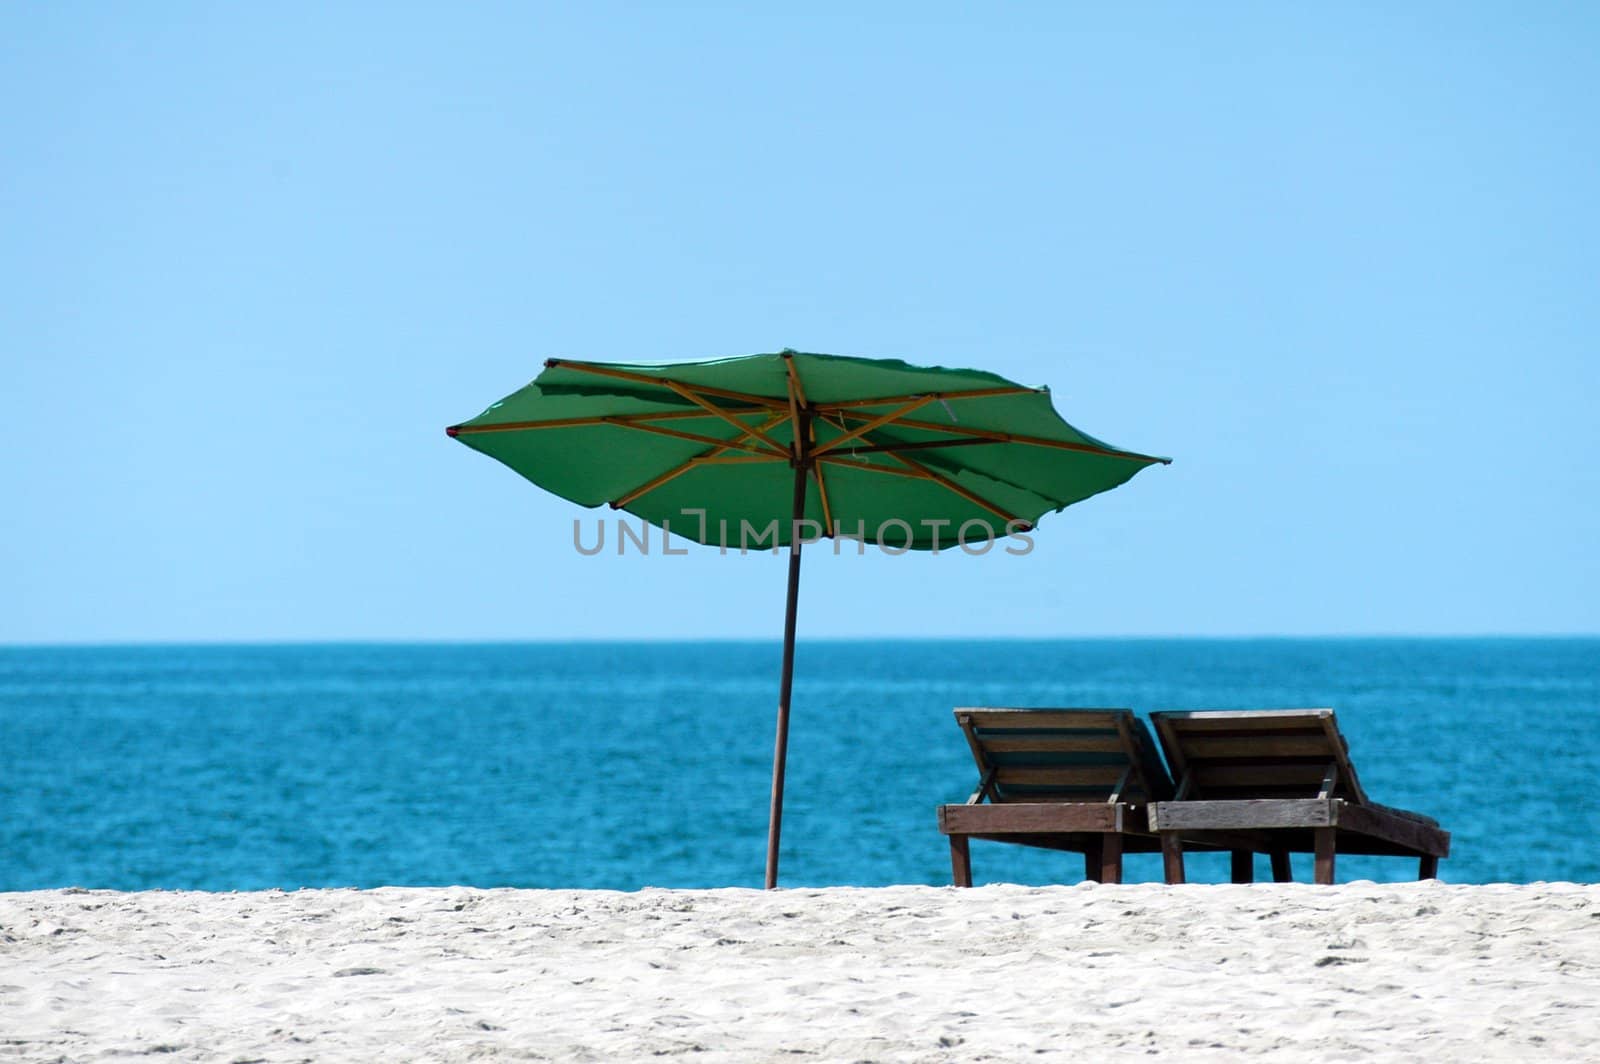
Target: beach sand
(889, 974)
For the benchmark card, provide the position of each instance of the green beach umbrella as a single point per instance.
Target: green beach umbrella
(783, 449)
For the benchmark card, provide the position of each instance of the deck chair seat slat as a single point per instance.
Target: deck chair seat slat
(1303, 720)
(1102, 776)
(1211, 774)
(1107, 743)
(1051, 758)
(1087, 720)
(1287, 744)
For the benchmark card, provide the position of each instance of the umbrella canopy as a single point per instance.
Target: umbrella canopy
(783, 449)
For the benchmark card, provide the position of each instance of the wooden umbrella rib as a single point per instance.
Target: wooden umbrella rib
(652, 484)
(944, 481)
(666, 382)
(797, 399)
(949, 485)
(1032, 441)
(753, 433)
(738, 459)
(693, 437)
(720, 448)
(807, 431)
(918, 472)
(822, 492)
(922, 445)
(969, 393)
(877, 422)
(893, 471)
(581, 422)
(796, 386)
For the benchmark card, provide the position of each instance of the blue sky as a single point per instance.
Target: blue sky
(1340, 262)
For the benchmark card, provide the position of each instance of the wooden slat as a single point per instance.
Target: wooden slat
(1259, 790)
(1086, 743)
(1235, 730)
(985, 785)
(1069, 719)
(1032, 817)
(1209, 775)
(1310, 744)
(1261, 736)
(1132, 744)
(1349, 783)
(1176, 763)
(1058, 775)
(1379, 823)
(1269, 713)
(1242, 815)
(979, 758)
(1252, 720)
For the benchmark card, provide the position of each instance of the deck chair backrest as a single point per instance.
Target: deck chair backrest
(1064, 755)
(1257, 753)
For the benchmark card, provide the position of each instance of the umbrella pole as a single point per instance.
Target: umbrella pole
(780, 750)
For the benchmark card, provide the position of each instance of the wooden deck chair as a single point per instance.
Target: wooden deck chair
(1063, 779)
(1277, 781)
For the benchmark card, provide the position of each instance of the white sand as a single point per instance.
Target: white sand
(902, 973)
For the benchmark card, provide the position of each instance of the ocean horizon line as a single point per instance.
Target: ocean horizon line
(823, 640)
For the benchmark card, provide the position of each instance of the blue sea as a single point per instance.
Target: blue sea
(626, 765)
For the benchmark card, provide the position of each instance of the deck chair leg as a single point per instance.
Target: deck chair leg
(1282, 872)
(960, 861)
(1325, 838)
(1172, 856)
(1429, 867)
(1091, 858)
(1111, 859)
(1244, 870)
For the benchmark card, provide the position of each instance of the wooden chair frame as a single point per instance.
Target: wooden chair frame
(1339, 818)
(1102, 829)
